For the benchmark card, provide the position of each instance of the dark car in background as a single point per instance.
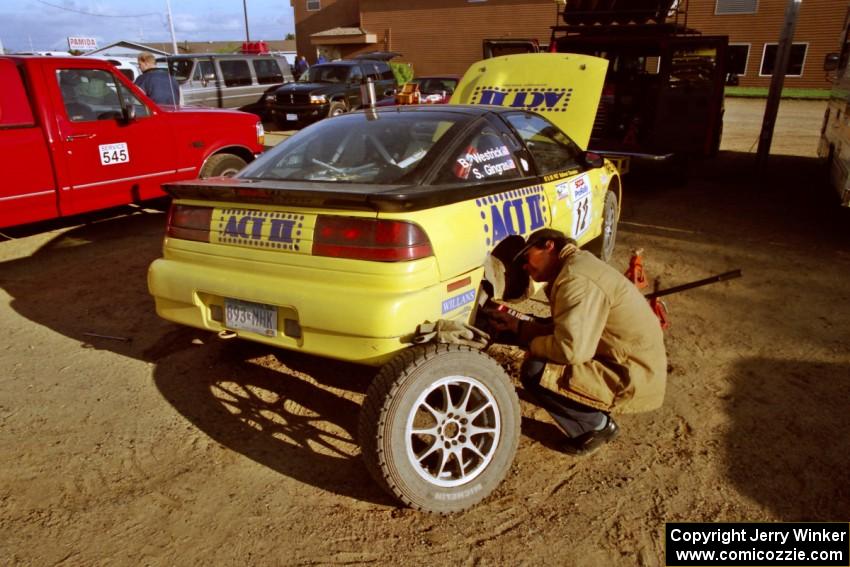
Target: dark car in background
(327, 89)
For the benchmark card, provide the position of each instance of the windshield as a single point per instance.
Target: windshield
(180, 69)
(325, 74)
(354, 149)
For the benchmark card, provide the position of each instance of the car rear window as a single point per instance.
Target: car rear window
(356, 149)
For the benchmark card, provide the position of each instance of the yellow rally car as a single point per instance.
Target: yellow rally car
(341, 241)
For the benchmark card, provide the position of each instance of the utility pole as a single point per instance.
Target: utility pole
(783, 53)
(245, 11)
(171, 27)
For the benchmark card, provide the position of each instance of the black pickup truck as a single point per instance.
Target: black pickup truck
(327, 89)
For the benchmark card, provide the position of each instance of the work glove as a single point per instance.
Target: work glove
(451, 332)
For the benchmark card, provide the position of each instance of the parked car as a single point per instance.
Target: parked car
(347, 237)
(327, 89)
(227, 80)
(79, 136)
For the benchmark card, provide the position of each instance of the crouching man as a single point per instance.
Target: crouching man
(603, 333)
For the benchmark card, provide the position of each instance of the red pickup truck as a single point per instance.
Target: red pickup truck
(77, 136)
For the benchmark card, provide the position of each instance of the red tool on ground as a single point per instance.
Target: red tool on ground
(635, 270)
(635, 273)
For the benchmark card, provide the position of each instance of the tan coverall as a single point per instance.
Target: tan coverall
(606, 335)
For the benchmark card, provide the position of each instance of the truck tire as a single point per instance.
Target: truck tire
(603, 245)
(337, 107)
(440, 427)
(224, 165)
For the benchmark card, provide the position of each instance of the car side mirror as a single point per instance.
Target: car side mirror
(593, 160)
(128, 113)
(830, 62)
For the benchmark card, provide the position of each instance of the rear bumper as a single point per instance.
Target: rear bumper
(356, 318)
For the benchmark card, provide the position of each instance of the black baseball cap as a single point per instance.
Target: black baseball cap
(539, 237)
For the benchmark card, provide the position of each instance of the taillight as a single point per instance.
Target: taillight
(261, 133)
(369, 239)
(189, 223)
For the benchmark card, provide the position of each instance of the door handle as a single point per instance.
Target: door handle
(73, 137)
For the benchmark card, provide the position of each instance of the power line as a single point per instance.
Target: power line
(97, 15)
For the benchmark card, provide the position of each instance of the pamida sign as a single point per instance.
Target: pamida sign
(77, 43)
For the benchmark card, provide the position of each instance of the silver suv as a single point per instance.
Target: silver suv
(227, 80)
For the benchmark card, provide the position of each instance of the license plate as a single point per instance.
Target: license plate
(249, 316)
(292, 117)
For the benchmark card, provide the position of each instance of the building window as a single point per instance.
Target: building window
(739, 54)
(795, 60)
(736, 7)
(314, 5)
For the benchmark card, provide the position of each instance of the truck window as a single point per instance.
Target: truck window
(356, 75)
(552, 149)
(268, 71)
(204, 70)
(235, 72)
(138, 106)
(180, 69)
(386, 72)
(89, 94)
(372, 71)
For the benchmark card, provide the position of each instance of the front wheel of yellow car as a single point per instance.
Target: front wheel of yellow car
(440, 427)
(603, 245)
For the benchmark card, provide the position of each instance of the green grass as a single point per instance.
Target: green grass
(761, 92)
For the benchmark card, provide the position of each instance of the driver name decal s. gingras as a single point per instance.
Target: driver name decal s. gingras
(261, 229)
(514, 212)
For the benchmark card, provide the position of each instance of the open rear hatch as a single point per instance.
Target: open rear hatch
(563, 87)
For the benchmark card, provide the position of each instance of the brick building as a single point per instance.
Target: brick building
(445, 36)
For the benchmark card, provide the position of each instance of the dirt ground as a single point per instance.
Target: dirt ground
(174, 448)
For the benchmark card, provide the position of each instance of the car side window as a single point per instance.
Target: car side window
(386, 72)
(235, 72)
(355, 75)
(551, 149)
(131, 99)
(267, 71)
(372, 71)
(484, 155)
(204, 70)
(89, 94)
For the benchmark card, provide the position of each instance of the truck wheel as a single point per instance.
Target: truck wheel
(440, 427)
(603, 245)
(336, 108)
(224, 165)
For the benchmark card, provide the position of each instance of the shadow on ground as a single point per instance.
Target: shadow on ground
(790, 449)
(296, 415)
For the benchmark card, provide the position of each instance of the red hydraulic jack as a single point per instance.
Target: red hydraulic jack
(635, 270)
(636, 274)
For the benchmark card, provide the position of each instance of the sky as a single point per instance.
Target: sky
(45, 25)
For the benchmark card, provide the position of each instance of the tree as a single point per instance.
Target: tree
(290, 36)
